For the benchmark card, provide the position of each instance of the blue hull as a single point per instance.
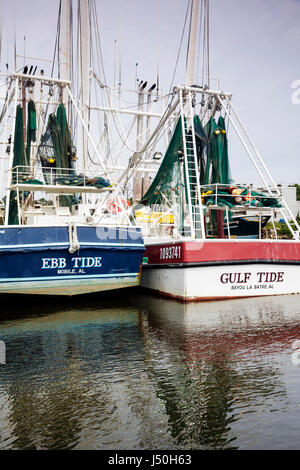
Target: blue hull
(37, 260)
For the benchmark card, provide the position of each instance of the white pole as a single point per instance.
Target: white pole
(148, 120)
(137, 180)
(85, 71)
(190, 71)
(126, 111)
(65, 46)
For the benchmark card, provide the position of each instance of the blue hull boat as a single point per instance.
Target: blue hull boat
(45, 260)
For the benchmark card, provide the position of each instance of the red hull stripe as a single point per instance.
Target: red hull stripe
(218, 263)
(212, 253)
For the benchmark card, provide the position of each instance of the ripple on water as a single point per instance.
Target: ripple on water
(148, 373)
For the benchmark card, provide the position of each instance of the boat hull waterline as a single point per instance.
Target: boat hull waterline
(38, 260)
(222, 269)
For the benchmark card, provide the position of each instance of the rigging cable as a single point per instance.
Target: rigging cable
(180, 45)
(96, 25)
(57, 39)
(56, 50)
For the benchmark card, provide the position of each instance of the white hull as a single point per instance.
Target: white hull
(221, 282)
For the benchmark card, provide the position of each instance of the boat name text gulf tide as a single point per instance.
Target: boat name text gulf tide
(242, 278)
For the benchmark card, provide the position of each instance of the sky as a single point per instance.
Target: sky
(254, 52)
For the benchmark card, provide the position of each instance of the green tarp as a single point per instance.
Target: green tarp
(31, 128)
(217, 167)
(202, 143)
(56, 152)
(168, 180)
(212, 155)
(56, 149)
(19, 159)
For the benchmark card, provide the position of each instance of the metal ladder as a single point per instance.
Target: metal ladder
(192, 176)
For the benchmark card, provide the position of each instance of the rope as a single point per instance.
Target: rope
(73, 239)
(57, 39)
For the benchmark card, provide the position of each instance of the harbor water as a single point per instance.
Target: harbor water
(128, 370)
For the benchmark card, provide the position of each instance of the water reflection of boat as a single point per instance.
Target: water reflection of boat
(216, 364)
(205, 330)
(143, 372)
(66, 321)
(67, 381)
(262, 317)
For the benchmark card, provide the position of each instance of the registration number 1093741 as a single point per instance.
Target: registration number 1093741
(170, 252)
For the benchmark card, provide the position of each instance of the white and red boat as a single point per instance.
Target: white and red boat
(222, 268)
(185, 215)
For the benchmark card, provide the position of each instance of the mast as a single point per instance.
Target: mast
(192, 46)
(85, 47)
(137, 181)
(65, 47)
(191, 168)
